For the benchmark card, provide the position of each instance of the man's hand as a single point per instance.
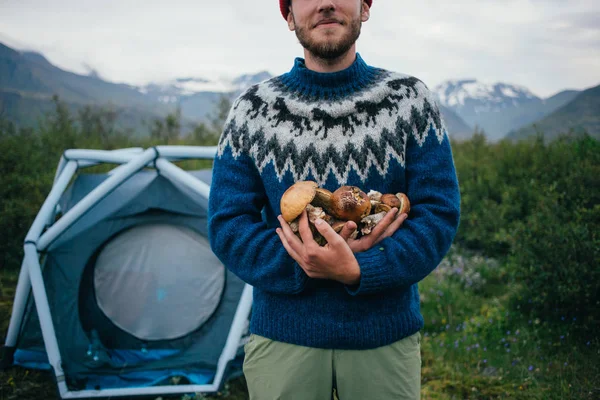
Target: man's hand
(385, 228)
(334, 261)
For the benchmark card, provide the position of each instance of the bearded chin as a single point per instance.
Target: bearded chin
(327, 50)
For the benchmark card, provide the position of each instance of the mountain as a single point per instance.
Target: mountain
(31, 74)
(497, 108)
(579, 115)
(457, 127)
(177, 89)
(28, 81)
(198, 97)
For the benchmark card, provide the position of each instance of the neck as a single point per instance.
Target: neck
(340, 63)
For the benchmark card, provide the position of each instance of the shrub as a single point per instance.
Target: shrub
(555, 251)
(537, 204)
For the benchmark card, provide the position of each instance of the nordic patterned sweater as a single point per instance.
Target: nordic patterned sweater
(362, 126)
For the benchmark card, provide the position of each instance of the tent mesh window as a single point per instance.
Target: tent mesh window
(150, 282)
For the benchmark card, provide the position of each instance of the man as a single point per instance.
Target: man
(344, 316)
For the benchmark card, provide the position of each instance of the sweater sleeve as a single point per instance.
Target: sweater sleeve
(237, 233)
(418, 246)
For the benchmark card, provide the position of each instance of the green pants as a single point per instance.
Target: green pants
(281, 371)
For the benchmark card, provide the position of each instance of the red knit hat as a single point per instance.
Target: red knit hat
(284, 6)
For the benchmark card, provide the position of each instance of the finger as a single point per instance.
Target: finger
(285, 227)
(293, 240)
(327, 232)
(376, 235)
(348, 230)
(393, 227)
(304, 229)
(383, 224)
(287, 245)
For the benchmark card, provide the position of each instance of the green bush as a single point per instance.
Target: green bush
(537, 204)
(555, 252)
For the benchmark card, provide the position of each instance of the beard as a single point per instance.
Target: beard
(329, 50)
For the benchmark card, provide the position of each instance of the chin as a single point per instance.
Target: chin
(327, 37)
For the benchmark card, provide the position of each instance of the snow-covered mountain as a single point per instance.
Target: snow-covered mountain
(483, 97)
(177, 90)
(497, 108)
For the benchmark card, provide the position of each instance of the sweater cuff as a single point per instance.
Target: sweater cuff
(374, 272)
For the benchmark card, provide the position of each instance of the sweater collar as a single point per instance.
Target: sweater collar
(329, 84)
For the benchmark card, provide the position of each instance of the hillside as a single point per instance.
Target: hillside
(497, 108)
(578, 116)
(457, 127)
(28, 81)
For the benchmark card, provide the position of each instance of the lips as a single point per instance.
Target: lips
(328, 21)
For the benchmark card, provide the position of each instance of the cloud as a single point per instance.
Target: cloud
(544, 45)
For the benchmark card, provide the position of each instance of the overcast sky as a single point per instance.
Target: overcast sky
(545, 45)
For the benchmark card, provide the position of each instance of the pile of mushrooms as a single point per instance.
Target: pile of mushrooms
(347, 203)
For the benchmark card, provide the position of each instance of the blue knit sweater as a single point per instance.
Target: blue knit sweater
(362, 126)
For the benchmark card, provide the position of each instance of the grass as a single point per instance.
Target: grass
(476, 344)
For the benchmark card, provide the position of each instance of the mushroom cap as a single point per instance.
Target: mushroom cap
(296, 198)
(391, 200)
(404, 203)
(349, 203)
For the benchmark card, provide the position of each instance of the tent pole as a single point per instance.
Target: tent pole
(235, 332)
(47, 210)
(129, 152)
(137, 162)
(43, 309)
(24, 284)
(61, 164)
(103, 156)
(19, 303)
(187, 151)
(139, 391)
(175, 173)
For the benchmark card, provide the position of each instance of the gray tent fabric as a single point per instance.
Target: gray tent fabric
(134, 280)
(154, 270)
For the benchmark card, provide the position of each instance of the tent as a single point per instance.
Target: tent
(119, 293)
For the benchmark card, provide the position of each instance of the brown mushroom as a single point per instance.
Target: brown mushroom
(369, 222)
(337, 225)
(404, 206)
(306, 195)
(374, 195)
(296, 198)
(391, 200)
(322, 198)
(382, 207)
(314, 213)
(349, 203)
